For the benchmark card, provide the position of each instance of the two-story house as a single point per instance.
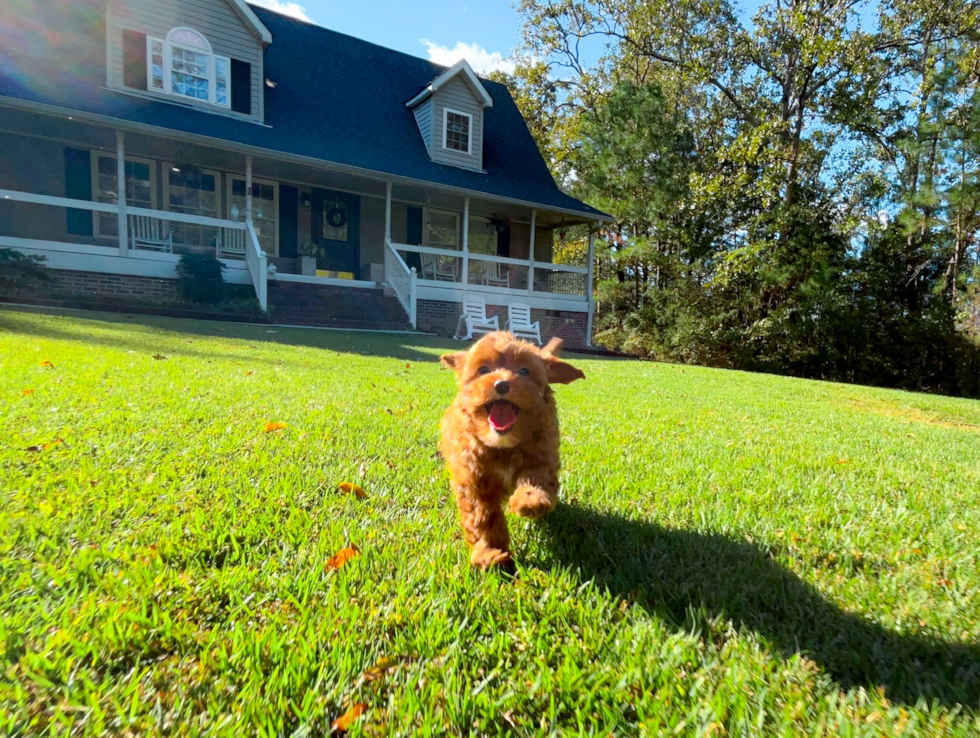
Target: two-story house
(312, 163)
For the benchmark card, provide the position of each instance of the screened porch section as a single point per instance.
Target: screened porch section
(496, 252)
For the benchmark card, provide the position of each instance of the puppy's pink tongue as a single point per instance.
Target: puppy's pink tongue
(502, 416)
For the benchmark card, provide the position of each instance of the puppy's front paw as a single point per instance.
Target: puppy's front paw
(531, 502)
(485, 557)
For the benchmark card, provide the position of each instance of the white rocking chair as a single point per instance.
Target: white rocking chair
(150, 234)
(432, 269)
(474, 318)
(496, 275)
(519, 322)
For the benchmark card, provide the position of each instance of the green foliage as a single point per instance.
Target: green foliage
(758, 170)
(200, 278)
(737, 554)
(19, 271)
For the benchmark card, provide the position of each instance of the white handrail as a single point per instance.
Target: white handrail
(402, 280)
(105, 207)
(473, 255)
(258, 265)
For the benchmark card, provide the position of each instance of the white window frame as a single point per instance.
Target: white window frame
(230, 198)
(168, 165)
(95, 182)
(168, 47)
(445, 130)
(425, 231)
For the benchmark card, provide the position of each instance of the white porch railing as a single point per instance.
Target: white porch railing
(402, 280)
(153, 230)
(500, 274)
(258, 266)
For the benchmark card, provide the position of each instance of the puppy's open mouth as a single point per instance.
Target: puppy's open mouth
(502, 415)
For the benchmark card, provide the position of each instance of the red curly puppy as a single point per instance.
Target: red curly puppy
(500, 438)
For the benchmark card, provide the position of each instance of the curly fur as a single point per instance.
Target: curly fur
(522, 462)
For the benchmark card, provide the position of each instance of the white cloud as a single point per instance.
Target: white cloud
(285, 7)
(480, 59)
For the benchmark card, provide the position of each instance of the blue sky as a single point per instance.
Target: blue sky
(486, 32)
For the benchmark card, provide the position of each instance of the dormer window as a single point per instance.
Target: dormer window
(184, 65)
(456, 130)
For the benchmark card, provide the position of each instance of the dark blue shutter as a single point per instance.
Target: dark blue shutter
(414, 238)
(134, 59)
(288, 220)
(414, 235)
(241, 87)
(78, 185)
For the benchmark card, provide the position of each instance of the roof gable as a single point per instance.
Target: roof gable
(251, 20)
(464, 71)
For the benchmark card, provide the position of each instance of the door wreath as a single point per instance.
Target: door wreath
(336, 218)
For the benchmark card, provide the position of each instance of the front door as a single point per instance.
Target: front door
(336, 230)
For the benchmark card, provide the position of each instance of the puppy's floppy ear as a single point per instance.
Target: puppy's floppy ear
(553, 347)
(561, 373)
(454, 361)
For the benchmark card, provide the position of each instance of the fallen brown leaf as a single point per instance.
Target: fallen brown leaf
(349, 488)
(47, 364)
(27, 392)
(33, 449)
(408, 366)
(159, 357)
(342, 557)
(249, 373)
(384, 666)
(273, 426)
(343, 723)
(55, 442)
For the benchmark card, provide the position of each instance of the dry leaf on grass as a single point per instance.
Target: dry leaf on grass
(362, 470)
(349, 488)
(343, 723)
(47, 364)
(273, 427)
(342, 557)
(249, 373)
(159, 357)
(383, 667)
(27, 392)
(45, 446)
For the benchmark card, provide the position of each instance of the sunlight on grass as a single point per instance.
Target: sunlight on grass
(736, 554)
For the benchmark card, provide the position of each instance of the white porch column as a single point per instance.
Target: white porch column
(530, 253)
(121, 192)
(248, 188)
(466, 241)
(388, 213)
(589, 284)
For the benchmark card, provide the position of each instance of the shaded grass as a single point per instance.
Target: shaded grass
(737, 554)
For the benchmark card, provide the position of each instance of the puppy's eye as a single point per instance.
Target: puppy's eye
(483, 370)
(524, 371)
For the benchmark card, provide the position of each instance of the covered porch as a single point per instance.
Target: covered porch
(96, 198)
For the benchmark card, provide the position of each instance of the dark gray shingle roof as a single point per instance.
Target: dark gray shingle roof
(337, 99)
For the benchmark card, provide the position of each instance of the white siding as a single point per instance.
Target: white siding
(423, 116)
(457, 95)
(227, 33)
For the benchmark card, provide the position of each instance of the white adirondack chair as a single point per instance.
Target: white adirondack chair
(519, 322)
(432, 269)
(150, 234)
(474, 318)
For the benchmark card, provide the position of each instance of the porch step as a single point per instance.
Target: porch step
(299, 303)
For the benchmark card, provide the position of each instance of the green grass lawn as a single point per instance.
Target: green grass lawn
(736, 554)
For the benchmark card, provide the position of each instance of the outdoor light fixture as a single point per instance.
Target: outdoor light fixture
(499, 222)
(305, 199)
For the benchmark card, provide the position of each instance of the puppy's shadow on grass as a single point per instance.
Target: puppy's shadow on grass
(690, 578)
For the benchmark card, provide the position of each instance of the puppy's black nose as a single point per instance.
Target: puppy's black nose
(502, 386)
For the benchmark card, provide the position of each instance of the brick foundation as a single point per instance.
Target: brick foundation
(66, 283)
(441, 318)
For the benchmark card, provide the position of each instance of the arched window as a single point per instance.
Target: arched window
(183, 64)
